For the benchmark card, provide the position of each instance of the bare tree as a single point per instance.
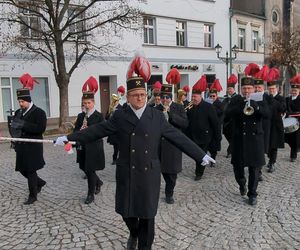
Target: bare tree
(285, 53)
(64, 32)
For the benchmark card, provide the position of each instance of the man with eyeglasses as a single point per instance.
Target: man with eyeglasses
(139, 129)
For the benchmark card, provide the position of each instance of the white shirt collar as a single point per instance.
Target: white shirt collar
(294, 97)
(138, 112)
(91, 112)
(30, 106)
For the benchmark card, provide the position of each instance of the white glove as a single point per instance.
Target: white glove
(206, 160)
(166, 115)
(61, 141)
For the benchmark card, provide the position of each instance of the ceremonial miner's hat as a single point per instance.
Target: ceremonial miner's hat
(247, 81)
(28, 83)
(89, 88)
(200, 85)
(295, 82)
(232, 81)
(166, 89)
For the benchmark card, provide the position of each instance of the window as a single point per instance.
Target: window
(208, 35)
(149, 30)
(241, 39)
(39, 94)
(31, 24)
(180, 33)
(77, 26)
(254, 40)
(275, 17)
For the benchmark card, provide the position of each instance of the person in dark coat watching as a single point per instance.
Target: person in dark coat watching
(29, 122)
(203, 125)
(248, 138)
(90, 156)
(215, 145)
(139, 129)
(171, 156)
(293, 110)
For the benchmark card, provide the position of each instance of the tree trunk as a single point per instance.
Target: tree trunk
(64, 104)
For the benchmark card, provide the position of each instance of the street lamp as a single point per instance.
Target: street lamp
(227, 59)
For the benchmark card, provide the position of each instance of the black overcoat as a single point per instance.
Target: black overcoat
(112, 139)
(204, 125)
(90, 156)
(171, 156)
(277, 130)
(248, 135)
(293, 139)
(138, 167)
(266, 120)
(29, 156)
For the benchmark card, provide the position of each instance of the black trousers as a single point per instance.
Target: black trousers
(170, 180)
(213, 154)
(143, 229)
(239, 174)
(34, 181)
(199, 168)
(93, 180)
(272, 155)
(116, 151)
(292, 140)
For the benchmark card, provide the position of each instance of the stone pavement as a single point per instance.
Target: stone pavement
(209, 214)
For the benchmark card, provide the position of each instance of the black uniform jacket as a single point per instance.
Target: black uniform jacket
(204, 124)
(171, 156)
(138, 166)
(277, 130)
(248, 135)
(112, 139)
(266, 120)
(293, 106)
(90, 156)
(29, 156)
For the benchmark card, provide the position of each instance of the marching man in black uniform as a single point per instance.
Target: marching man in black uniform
(29, 122)
(90, 156)
(293, 108)
(203, 122)
(248, 138)
(139, 129)
(227, 122)
(171, 156)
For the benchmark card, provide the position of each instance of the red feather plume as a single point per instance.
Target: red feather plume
(157, 85)
(216, 85)
(140, 66)
(273, 75)
(173, 77)
(263, 73)
(295, 79)
(186, 88)
(201, 84)
(232, 79)
(251, 69)
(27, 81)
(91, 85)
(121, 89)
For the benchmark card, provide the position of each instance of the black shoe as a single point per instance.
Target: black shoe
(228, 155)
(198, 177)
(89, 199)
(271, 168)
(132, 243)
(114, 162)
(260, 178)
(84, 177)
(98, 187)
(252, 200)
(293, 159)
(243, 190)
(169, 200)
(30, 200)
(212, 165)
(39, 188)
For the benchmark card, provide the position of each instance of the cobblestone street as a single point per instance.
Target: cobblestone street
(208, 214)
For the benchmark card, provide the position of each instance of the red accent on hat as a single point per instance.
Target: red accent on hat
(216, 85)
(295, 79)
(201, 84)
(140, 66)
(157, 85)
(173, 77)
(91, 85)
(263, 73)
(232, 80)
(251, 69)
(273, 75)
(121, 89)
(27, 81)
(186, 88)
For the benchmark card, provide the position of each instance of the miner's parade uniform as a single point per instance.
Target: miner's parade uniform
(139, 129)
(90, 156)
(247, 140)
(29, 122)
(171, 156)
(293, 109)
